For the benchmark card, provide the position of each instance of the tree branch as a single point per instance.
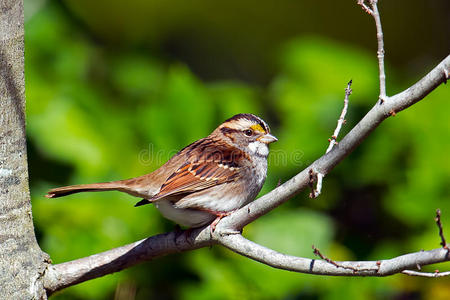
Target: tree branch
(429, 275)
(327, 162)
(66, 274)
(241, 245)
(73, 272)
(226, 233)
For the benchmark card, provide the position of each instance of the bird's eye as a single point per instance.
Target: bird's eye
(248, 132)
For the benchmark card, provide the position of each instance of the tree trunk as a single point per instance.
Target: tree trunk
(22, 262)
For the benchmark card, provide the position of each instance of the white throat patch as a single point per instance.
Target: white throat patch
(259, 148)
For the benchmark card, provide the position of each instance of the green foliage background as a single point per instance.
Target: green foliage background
(109, 97)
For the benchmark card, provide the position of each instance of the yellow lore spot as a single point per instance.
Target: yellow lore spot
(257, 127)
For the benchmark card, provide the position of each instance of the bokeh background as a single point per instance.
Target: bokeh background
(114, 88)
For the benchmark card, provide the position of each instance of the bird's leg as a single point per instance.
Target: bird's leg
(219, 215)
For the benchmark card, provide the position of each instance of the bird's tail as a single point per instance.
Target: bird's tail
(93, 187)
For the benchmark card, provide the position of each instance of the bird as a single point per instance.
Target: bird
(206, 180)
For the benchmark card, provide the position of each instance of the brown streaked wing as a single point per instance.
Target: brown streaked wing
(195, 177)
(216, 163)
(210, 162)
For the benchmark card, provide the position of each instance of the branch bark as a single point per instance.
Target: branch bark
(22, 261)
(380, 51)
(70, 273)
(241, 245)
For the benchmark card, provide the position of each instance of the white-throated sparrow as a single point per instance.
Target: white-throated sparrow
(204, 181)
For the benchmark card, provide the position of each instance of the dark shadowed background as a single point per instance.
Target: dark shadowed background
(114, 88)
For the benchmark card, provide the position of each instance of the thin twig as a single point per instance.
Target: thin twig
(441, 231)
(341, 120)
(319, 254)
(365, 7)
(424, 274)
(380, 51)
(318, 188)
(312, 180)
(279, 182)
(373, 11)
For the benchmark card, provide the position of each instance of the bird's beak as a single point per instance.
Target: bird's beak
(267, 139)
